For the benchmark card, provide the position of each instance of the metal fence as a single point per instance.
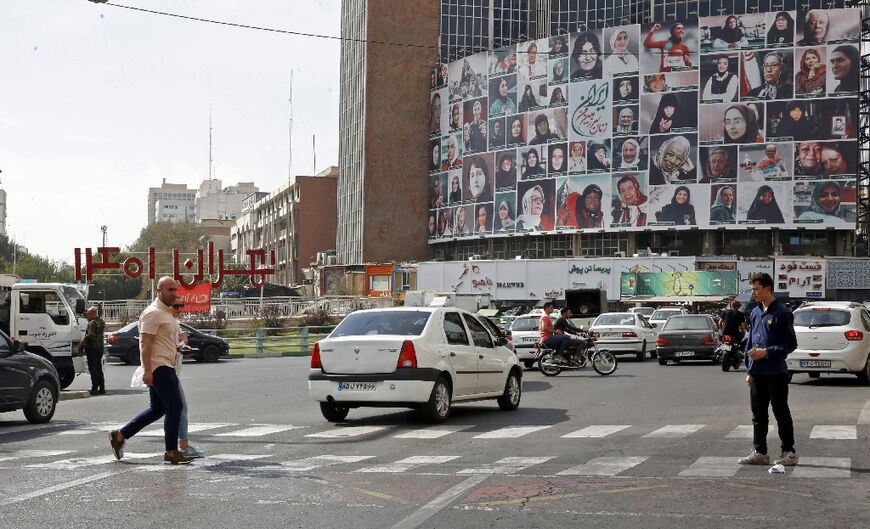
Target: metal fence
(269, 341)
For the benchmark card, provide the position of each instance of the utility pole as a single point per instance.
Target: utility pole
(103, 229)
(314, 149)
(290, 133)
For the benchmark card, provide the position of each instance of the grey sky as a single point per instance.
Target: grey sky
(98, 103)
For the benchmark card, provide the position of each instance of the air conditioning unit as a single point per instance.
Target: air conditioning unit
(331, 259)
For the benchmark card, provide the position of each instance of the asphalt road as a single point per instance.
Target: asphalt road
(649, 446)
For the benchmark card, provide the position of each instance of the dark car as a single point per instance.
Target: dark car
(687, 337)
(27, 381)
(123, 344)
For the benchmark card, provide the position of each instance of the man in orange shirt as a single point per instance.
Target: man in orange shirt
(548, 337)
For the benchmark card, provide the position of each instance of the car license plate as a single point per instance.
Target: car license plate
(611, 334)
(357, 386)
(815, 363)
(684, 353)
(530, 339)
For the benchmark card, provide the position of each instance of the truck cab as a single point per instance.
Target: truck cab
(48, 319)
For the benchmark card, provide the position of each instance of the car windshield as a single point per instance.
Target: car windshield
(525, 324)
(688, 323)
(71, 294)
(663, 314)
(821, 318)
(395, 322)
(645, 311)
(615, 319)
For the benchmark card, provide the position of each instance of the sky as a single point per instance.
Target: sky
(99, 103)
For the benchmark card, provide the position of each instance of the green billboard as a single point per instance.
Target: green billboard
(678, 284)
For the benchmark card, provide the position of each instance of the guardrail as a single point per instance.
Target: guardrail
(272, 341)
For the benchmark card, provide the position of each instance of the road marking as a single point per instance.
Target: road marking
(508, 465)
(194, 427)
(443, 500)
(823, 467)
(744, 431)
(210, 461)
(864, 418)
(604, 466)
(25, 454)
(675, 430)
(346, 432)
(511, 432)
(597, 431)
(831, 431)
(82, 462)
(719, 467)
(56, 488)
(260, 431)
(27, 428)
(432, 433)
(409, 463)
(311, 463)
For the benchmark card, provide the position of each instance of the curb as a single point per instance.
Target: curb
(74, 394)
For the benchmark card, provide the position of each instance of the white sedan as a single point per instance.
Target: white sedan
(426, 358)
(625, 332)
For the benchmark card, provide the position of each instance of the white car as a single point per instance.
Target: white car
(832, 337)
(661, 315)
(646, 312)
(625, 332)
(426, 358)
(525, 333)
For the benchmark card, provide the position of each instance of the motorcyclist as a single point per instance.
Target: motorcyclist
(564, 327)
(733, 323)
(549, 337)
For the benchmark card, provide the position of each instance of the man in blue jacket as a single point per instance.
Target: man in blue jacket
(771, 339)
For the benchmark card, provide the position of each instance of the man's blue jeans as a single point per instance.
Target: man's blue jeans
(165, 395)
(558, 341)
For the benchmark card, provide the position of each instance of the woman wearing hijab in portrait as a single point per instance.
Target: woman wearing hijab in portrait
(504, 217)
(455, 196)
(516, 131)
(826, 204)
(558, 163)
(679, 212)
(722, 85)
(627, 210)
(542, 131)
(478, 180)
(528, 101)
(436, 194)
(453, 160)
(730, 35)
(598, 160)
(719, 166)
(674, 53)
(794, 123)
(672, 163)
(668, 117)
(811, 77)
(557, 99)
(629, 153)
(620, 60)
(497, 136)
(764, 207)
(577, 162)
(559, 75)
(623, 89)
(506, 175)
(502, 103)
(741, 125)
(435, 114)
(782, 30)
(723, 210)
(772, 166)
(461, 228)
(435, 163)
(586, 57)
(532, 168)
(589, 214)
(625, 122)
(533, 217)
(844, 65)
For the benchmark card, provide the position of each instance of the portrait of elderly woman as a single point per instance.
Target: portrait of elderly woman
(672, 163)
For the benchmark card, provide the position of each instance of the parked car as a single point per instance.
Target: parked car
(661, 315)
(832, 337)
(28, 382)
(123, 344)
(646, 312)
(688, 337)
(625, 332)
(427, 358)
(524, 334)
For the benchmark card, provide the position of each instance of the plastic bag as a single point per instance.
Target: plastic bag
(138, 376)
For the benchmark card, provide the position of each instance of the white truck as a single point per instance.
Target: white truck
(48, 319)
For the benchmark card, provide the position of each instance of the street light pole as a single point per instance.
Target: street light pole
(103, 229)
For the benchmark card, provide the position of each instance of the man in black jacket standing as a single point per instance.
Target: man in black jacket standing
(771, 340)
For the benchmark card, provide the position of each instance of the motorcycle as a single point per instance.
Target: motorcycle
(729, 352)
(580, 351)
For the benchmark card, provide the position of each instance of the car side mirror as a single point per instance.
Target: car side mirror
(17, 346)
(80, 306)
(654, 325)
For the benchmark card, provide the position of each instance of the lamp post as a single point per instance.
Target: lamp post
(103, 229)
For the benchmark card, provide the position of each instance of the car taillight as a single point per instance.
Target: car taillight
(854, 336)
(112, 339)
(315, 357)
(661, 342)
(708, 340)
(408, 355)
(727, 338)
(629, 334)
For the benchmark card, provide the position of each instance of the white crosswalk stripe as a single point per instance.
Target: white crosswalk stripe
(596, 431)
(432, 433)
(743, 431)
(84, 462)
(823, 467)
(508, 465)
(193, 427)
(346, 432)
(718, 467)
(830, 431)
(260, 430)
(511, 432)
(604, 466)
(199, 464)
(675, 430)
(29, 454)
(312, 463)
(409, 463)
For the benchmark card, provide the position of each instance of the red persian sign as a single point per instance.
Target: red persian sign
(196, 298)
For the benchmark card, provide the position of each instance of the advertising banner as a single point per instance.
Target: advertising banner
(679, 284)
(747, 269)
(727, 121)
(196, 298)
(801, 278)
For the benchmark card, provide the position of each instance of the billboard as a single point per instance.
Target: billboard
(732, 121)
(678, 284)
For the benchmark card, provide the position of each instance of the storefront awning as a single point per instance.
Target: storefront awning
(677, 299)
